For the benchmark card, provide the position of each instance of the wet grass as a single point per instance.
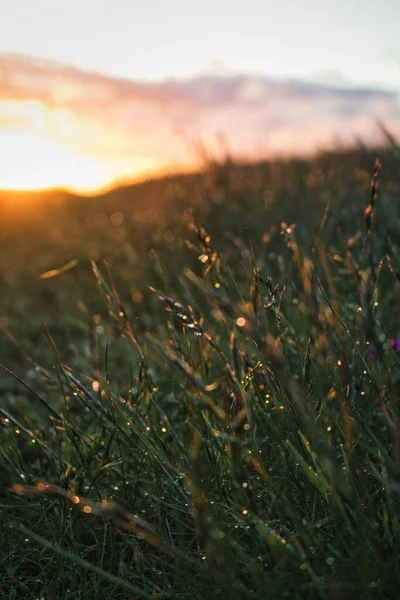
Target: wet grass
(205, 404)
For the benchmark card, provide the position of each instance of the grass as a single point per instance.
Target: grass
(204, 405)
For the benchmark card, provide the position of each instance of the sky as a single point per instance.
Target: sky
(97, 90)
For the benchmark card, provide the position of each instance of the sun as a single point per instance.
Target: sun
(44, 147)
(30, 161)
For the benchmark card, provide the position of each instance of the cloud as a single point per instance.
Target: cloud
(129, 127)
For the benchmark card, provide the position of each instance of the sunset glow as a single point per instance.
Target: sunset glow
(39, 149)
(62, 127)
(33, 153)
(31, 161)
(92, 95)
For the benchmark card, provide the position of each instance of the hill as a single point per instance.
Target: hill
(204, 397)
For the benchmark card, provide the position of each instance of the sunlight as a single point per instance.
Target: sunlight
(37, 149)
(44, 147)
(31, 162)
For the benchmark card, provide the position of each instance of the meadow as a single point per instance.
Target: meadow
(200, 385)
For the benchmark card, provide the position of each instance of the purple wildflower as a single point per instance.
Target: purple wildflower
(395, 344)
(392, 343)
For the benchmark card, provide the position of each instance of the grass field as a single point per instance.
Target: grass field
(200, 385)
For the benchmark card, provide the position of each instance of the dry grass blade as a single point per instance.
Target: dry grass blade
(369, 211)
(106, 509)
